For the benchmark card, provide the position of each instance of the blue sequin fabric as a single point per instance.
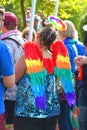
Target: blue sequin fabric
(25, 102)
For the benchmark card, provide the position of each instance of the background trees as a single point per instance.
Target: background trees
(74, 10)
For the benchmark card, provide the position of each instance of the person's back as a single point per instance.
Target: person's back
(12, 38)
(74, 48)
(28, 17)
(38, 17)
(45, 21)
(30, 109)
(7, 78)
(46, 89)
(37, 83)
(16, 49)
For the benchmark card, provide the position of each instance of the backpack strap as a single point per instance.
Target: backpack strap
(20, 41)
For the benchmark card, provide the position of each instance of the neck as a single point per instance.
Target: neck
(8, 33)
(4, 31)
(46, 53)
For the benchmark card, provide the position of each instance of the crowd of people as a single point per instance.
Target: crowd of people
(36, 77)
(40, 19)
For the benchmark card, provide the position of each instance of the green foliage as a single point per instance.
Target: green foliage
(46, 6)
(82, 23)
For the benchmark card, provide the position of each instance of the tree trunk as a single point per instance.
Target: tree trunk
(23, 12)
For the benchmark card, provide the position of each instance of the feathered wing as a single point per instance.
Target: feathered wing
(62, 69)
(36, 71)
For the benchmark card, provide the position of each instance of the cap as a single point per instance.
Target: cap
(10, 20)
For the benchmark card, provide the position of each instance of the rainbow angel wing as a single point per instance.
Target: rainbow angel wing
(62, 69)
(36, 71)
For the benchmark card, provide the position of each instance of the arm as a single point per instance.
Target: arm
(6, 66)
(20, 68)
(80, 60)
(8, 81)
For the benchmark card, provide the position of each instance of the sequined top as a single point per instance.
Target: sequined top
(25, 103)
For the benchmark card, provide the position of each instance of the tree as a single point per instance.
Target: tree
(82, 23)
(68, 9)
(23, 12)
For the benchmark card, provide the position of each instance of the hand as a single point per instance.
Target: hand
(80, 60)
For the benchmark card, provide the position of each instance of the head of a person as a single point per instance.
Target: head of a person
(10, 21)
(46, 37)
(45, 16)
(29, 8)
(39, 12)
(25, 34)
(28, 14)
(2, 16)
(70, 32)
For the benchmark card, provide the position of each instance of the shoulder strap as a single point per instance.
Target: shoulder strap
(16, 38)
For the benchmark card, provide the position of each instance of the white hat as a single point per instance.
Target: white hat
(85, 27)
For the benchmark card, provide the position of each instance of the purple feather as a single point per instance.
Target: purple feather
(71, 98)
(41, 102)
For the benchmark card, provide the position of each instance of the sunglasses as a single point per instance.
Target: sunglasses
(26, 33)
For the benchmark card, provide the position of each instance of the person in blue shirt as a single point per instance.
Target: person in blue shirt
(75, 48)
(7, 77)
